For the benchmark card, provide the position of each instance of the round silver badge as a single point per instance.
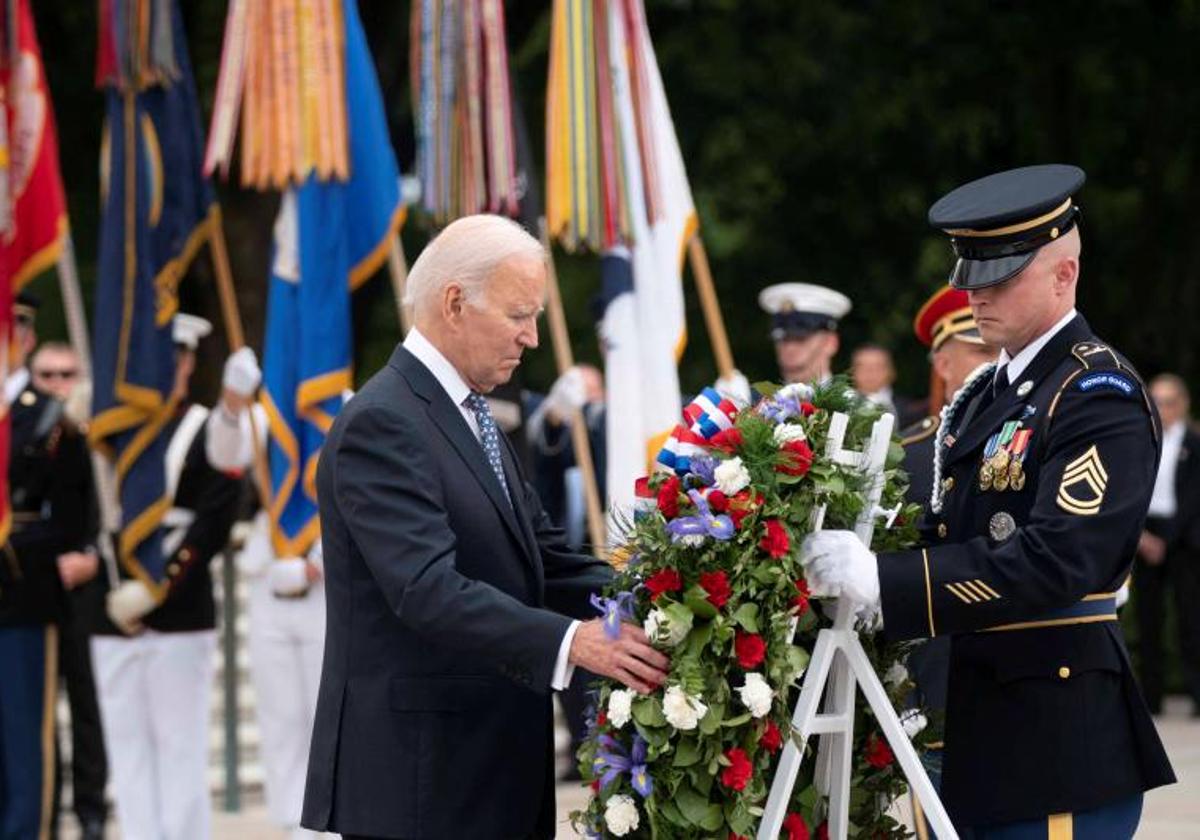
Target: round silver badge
(1024, 388)
(1002, 526)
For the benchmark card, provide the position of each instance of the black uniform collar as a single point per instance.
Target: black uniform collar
(983, 423)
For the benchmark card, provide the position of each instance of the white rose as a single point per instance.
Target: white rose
(620, 707)
(788, 432)
(757, 695)
(731, 476)
(913, 722)
(682, 710)
(663, 631)
(621, 814)
(797, 390)
(895, 675)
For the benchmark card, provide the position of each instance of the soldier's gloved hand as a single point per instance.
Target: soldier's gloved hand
(567, 394)
(734, 387)
(836, 563)
(128, 604)
(288, 576)
(242, 374)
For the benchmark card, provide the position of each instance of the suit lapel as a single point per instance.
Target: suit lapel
(980, 426)
(448, 420)
(516, 487)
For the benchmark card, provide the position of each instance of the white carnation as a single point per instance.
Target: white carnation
(788, 432)
(895, 675)
(682, 710)
(913, 722)
(731, 476)
(756, 695)
(663, 631)
(621, 814)
(620, 707)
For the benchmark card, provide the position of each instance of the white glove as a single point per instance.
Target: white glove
(567, 393)
(128, 604)
(836, 563)
(288, 576)
(242, 374)
(734, 387)
(1122, 594)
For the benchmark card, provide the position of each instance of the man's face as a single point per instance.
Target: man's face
(806, 359)
(1172, 404)
(955, 360)
(871, 370)
(55, 372)
(1013, 313)
(491, 333)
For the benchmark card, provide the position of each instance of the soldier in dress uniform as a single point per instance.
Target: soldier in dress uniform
(804, 322)
(1044, 466)
(49, 495)
(154, 660)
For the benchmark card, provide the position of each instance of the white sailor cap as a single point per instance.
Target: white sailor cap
(800, 309)
(187, 330)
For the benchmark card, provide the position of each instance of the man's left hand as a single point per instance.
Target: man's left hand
(242, 373)
(836, 563)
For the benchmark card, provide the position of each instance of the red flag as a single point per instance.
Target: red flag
(38, 226)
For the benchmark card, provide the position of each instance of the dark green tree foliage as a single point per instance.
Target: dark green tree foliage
(816, 135)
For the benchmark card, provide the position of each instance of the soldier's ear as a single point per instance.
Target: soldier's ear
(1066, 273)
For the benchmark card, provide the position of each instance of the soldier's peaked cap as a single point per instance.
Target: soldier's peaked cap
(997, 223)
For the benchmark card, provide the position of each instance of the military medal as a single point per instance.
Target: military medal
(986, 475)
(1019, 449)
(1001, 526)
(1000, 482)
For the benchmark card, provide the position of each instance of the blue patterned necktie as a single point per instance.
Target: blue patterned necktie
(489, 436)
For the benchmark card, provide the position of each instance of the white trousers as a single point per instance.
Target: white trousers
(287, 638)
(155, 692)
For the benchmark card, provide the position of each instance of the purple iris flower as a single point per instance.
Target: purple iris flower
(779, 409)
(703, 524)
(612, 761)
(702, 467)
(615, 611)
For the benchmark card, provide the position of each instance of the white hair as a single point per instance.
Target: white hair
(467, 252)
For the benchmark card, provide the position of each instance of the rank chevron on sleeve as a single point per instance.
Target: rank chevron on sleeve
(1086, 470)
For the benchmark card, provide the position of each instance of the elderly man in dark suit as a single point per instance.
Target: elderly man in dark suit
(449, 594)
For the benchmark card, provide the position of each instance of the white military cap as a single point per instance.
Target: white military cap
(187, 330)
(800, 309)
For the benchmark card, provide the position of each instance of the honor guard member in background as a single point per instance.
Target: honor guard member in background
(49, 490)
(1043, 472)
(154, 660)
(56, 370)
(804, 322)
(1169, 550)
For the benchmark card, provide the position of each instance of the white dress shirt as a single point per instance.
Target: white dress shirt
(458, 391)
(1014, 366)
(1163, 502)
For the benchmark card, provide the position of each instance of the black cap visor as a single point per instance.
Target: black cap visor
(979, 274)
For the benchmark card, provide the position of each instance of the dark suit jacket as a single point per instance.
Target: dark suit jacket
(1182, 531)
(446, 609)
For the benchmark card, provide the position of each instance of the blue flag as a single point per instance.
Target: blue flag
(158, 210)
(329, 238)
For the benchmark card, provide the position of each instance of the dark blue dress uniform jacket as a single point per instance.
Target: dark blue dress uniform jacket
(1043, 714)
(446, 610)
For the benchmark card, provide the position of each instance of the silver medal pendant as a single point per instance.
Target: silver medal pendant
(1001, 526)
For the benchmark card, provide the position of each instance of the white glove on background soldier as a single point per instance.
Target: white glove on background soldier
(567, 394)
(734, 387)
(128, 604)
(288, 576)
(242, 374)
(836, 563)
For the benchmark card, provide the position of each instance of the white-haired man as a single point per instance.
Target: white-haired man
(449, 594)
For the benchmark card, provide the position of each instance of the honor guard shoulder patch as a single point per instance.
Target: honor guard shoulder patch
(1107, 381)
(1083, 484)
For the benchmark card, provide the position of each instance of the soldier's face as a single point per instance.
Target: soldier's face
(806, 359)
(1017, 311)
(491, 333)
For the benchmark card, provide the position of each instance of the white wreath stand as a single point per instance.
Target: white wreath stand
(843, 674)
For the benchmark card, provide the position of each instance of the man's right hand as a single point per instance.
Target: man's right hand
(1152, 548)
(630, 659)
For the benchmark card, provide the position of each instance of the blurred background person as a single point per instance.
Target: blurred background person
(804, 324)
(874, 374)
(1168, 554)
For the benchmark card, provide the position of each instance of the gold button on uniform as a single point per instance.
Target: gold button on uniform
(1064, 672)
(172, 569)
(942, 530)
(948, 484)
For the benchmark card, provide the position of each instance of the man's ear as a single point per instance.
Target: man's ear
(453, 301)
(1066, 272)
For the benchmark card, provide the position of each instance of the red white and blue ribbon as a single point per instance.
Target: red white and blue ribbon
(705, 417)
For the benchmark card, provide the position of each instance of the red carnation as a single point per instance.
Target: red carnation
(823, 831)
(808, 409)
(641, 488)
(595, 785)
(750, 648)
(716, 584)
(668, 497)
(667, 580)
(601, 719)
(770, 740)
(795, 827)
(727, 440)
(879, 754)
(738, 773)
(733, 836)
(797, 458)
(800, 602)
(742, 505)
(776, 542)
(718, 502)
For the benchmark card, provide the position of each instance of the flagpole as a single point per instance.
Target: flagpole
(702, 275)
(561, 340)
(233, 333)
(398, 271)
